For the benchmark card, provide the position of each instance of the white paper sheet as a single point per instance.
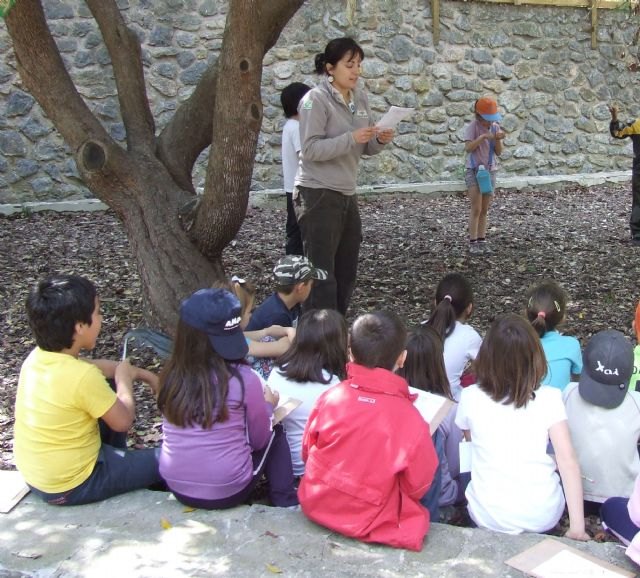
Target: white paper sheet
(433, 408)
(393, 116)
(566, 564)
(466, 454)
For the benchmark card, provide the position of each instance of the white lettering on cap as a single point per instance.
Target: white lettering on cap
(233, 323)
(602, 369)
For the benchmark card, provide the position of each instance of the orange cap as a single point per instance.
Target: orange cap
(487, 108)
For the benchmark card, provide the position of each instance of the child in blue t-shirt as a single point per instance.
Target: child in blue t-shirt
(546, 307)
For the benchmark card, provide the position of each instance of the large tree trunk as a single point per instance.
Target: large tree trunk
(149, 184)
(169, 264)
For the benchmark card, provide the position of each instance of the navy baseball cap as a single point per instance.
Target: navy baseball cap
(607, 369)
(217, 312)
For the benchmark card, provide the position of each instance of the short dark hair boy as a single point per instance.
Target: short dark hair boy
(368, 451)
(54, 308)
(378, 340)
(291, 96)
(294, 276)
(60, 397)
(290, 153)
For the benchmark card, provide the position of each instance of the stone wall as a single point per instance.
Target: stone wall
(537, 60)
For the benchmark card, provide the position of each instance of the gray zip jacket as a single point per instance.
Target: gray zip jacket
(329, 157)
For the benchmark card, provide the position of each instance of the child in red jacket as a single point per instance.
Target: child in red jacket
(368, 452)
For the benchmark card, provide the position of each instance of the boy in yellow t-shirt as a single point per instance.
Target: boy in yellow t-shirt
(65, 456)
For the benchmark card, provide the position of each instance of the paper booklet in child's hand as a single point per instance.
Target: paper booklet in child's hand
(433, 408)
(284, 409)
(12, 489)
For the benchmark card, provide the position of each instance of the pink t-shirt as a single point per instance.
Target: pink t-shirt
(481, 155)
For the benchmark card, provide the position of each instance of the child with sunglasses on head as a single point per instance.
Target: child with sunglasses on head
(546, 309)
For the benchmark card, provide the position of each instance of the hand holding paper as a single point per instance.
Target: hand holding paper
(393, 117)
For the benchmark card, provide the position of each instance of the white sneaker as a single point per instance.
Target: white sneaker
(475, 249)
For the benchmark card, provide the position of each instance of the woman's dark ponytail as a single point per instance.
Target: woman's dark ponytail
(320, 63)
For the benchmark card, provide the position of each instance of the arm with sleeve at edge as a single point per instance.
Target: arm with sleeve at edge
(576, 361)
(422, 464)
(106, 366)
(373, 146)
(269, 349)
(316, 146)
(619, 130)
(452, 449)
(119, 417)
(258, 413)
(108, 369)
(472, 145)
(571, 476)
(310, 435)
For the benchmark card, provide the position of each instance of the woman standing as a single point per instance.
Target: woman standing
(336, 129)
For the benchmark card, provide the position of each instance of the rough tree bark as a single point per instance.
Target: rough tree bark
(149, 183)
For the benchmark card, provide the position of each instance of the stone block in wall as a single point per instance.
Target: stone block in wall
(12, 144)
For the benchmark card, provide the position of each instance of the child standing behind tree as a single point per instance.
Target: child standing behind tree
(290, 99)
(368, 452)
(546, 306)
(453, 307)
(631, 130)
(509, 418)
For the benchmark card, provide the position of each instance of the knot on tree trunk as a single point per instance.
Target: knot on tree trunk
(92, 156)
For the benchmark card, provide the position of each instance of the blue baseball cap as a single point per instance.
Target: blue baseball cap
(217, 312)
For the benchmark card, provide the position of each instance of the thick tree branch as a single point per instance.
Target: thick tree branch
(124, 48)
(275, 16)
(45, 76)
(189, 132)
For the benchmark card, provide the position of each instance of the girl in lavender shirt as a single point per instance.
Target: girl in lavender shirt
(218, 439)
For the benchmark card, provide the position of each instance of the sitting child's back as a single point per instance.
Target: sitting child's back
(604, 418)
(368, 452)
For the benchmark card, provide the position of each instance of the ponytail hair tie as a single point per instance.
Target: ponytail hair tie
(236, 279)
(542, 314)
(448, 298)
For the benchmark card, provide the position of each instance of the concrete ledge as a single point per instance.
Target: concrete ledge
(259, 198)
(126, 537)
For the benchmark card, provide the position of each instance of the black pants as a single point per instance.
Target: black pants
(634, 220)
(331, 232)
(294, 238)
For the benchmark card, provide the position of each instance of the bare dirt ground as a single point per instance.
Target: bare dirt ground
(576, 236)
